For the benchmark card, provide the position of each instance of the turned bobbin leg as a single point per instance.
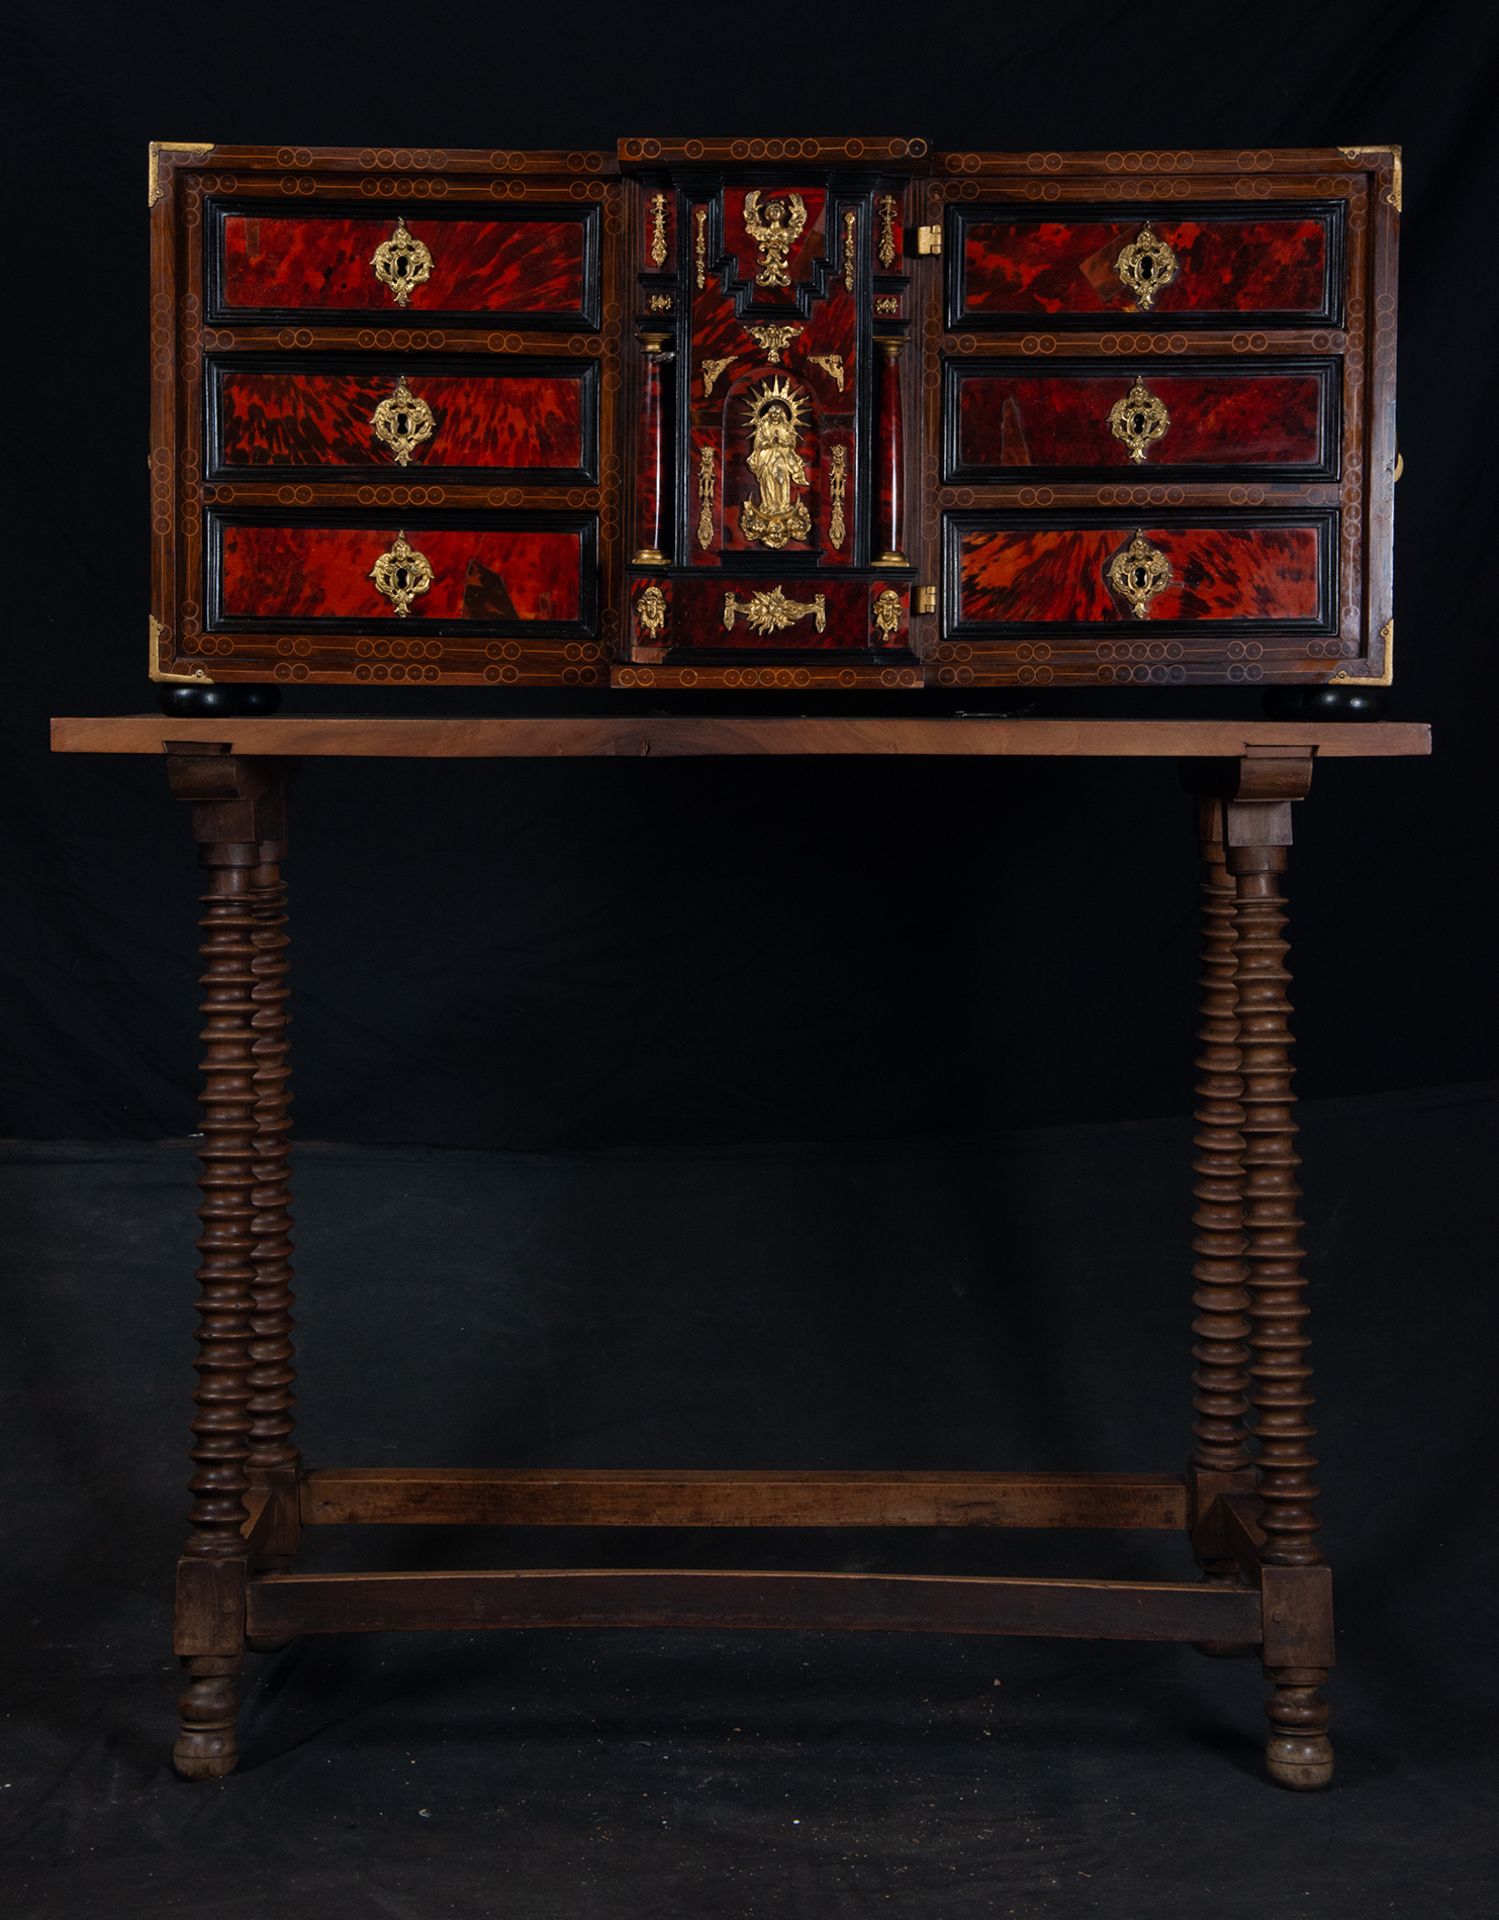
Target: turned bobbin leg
(1220, 1461)
(1295, 1584)
(272, 1462)
(238, 809)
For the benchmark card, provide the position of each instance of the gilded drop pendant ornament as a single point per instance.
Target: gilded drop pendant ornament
(650, 613)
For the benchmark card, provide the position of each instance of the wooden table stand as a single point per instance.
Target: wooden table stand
(1246, 1499)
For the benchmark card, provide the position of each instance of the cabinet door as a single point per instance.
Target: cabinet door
(768, 398)
(1160, 394)
(385, 416)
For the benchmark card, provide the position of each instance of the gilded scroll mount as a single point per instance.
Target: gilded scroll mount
(1138, 420)
(1146, 264)
(402, 422)
(1138, 573)
(401, 263)
(401, 573)
(773, 340)
(775, 227)
(772, 612)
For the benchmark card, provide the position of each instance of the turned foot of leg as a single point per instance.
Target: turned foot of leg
(1298, 1752)
(206, 1746)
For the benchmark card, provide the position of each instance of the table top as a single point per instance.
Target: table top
(541, 739)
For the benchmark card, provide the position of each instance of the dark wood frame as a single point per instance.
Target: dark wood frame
(1245, 1500)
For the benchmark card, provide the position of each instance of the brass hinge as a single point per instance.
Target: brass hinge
(924, 600)
(929, 239)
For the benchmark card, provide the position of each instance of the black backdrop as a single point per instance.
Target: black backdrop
(542, 956)
(663, 958)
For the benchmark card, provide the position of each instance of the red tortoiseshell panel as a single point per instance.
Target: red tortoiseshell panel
(1224, 265)
(1011, 574)
(810, 243)
(271, 418)
(1062, 420)
(307, 573)
(309, 262)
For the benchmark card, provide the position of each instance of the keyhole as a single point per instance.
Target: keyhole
(401, 427)
(1137, 422)
(401, 264)
(1147, 266)
(401, 579)
(1140, 577)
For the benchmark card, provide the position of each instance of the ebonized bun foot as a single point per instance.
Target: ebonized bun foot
(218, 703)
(1326, 703)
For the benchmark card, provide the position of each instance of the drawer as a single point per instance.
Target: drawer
(483, 573)
(530, 419)
(1278, 418)
(768, 614)
(1216, 264)
(1005, 572)
(535, 266)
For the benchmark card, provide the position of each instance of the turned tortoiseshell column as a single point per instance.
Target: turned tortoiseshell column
(890, 457)
(244, 1482)
(652, 493)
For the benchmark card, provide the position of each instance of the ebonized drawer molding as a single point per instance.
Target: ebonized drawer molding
(1276, 264)
(1009, 421)
(532, 420)
(532, 266)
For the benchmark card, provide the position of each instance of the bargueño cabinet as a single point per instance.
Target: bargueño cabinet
(795, 413)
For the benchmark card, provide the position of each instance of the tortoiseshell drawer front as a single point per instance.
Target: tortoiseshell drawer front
(534, 419)
(537, 266)
(1205, 266)
(434, 573)
(766, 614)
(1276, 420)
(1172, 573)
